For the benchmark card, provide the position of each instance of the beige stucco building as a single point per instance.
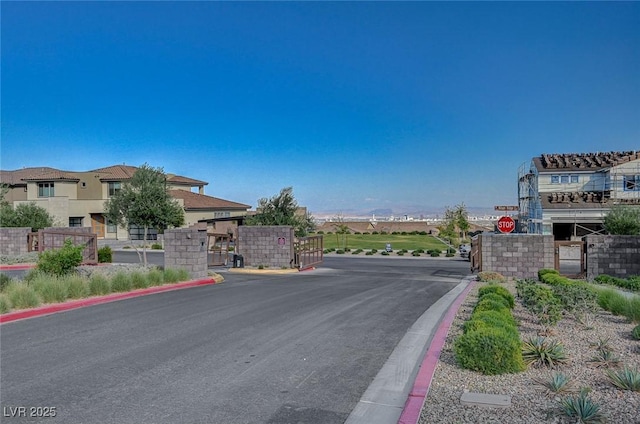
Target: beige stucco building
(76, 199)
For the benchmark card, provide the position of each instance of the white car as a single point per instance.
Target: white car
(464, 250)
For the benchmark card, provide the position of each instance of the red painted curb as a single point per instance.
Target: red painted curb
(81, 303)
(415, 401)
(16, 267)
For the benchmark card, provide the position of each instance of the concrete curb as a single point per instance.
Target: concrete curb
(82, 303)
(263, 271)
(395, 386)
(415, 401)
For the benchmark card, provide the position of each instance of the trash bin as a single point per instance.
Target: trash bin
(238, 261)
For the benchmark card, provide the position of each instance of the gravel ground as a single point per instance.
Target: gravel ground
(529, 403)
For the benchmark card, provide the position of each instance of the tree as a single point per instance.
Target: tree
(282, 209)
(342, 229)
(456, 223)
(24, 215)
(144, 201)
(623, 220)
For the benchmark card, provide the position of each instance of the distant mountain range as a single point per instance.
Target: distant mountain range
(399, 212)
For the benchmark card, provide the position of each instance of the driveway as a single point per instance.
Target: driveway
(255, 349)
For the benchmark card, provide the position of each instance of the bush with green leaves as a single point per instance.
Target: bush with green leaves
(635, 333)
(632, 283)
(77, 287)
(486, 319)
(540, 301)
(498, 290)
(175, 275)
(60, 261)
(489, 304)
(105, 254)
(623, 220)
(22, 296)
(99, 285)
(491, 351)
(155, 277)
(494, 297)
(544, 271)
(139, 280)
(5, 304)
(5, 280)
(488, 276)
(121, 282)
(50, 288)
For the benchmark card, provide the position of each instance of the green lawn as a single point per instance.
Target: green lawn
(379, 241)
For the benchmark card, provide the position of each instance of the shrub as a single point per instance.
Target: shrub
(434, 253)
(50, 288)
(60, 261)
(499, 318)
(540, 351)
(99, 285)
(155, 277)
(369, 253)
(121, 282)
(486, 276)
(490, 351)
(171, 275)
(450, 255)
(635, 333)
(5, 304)
(582, 409)
(576, 296)
(22, 296)
(5, 280)
(77, 287)
(545, 271)
(340, 252)
(495, 298)
(492, 305)
(540, 301)
(105, 255)
(499, 290)
(625, 379)
(384, 253)
(156, 246)
(139, 280)
(633, 309)
(415, 253)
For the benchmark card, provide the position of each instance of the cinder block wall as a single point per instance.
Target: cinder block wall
(517, 255)
(266, 245)
(186, 248)
(13, 241)
(618, 256)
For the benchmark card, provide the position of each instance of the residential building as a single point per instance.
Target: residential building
(568, 195)
(76, 199)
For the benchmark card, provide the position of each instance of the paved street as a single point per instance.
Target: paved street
(255, 349)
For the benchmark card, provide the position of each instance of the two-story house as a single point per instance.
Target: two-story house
(76, 199)
(568, 195)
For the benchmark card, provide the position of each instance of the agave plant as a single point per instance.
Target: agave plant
(582, 409)
(540, 351)
(557, 383)
(605, 358)
(602, 344)
(625, 379)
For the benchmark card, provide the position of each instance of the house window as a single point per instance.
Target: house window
(137, 233)
(111, 227)
(83, 185)
(114, 188)
(555, 179)
(564, 179)
(45, 190)
(631, 183)
(75, 222)
(222, 214)
(575, 179)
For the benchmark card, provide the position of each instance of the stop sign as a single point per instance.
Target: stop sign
(506, 224)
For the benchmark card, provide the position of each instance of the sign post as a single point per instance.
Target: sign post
(506, 224)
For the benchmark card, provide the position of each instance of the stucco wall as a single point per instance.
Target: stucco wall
(618, 256)
(516, 255)
(13, 241)
(266, 245)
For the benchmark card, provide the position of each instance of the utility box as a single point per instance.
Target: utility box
(238, 261)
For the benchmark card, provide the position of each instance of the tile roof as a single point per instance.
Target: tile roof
(202, 201)
(582, 161)
(178, 179)
(40, 173)
(116, 172)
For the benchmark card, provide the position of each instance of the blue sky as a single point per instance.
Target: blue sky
(357, 105)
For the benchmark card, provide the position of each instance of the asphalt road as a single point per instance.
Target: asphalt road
(298, 348)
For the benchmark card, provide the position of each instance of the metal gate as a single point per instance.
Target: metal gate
(50, 239)
(308, 252)
(569, 258)
(218, 248)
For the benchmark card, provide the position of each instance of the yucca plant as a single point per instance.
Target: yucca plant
(556, 383)
(602, 344)
(582, 409)
(540, 351)
(605, 358)
(625, 379)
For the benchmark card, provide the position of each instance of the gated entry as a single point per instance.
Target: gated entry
(569, 258)
(218, 248)
(308, 252)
